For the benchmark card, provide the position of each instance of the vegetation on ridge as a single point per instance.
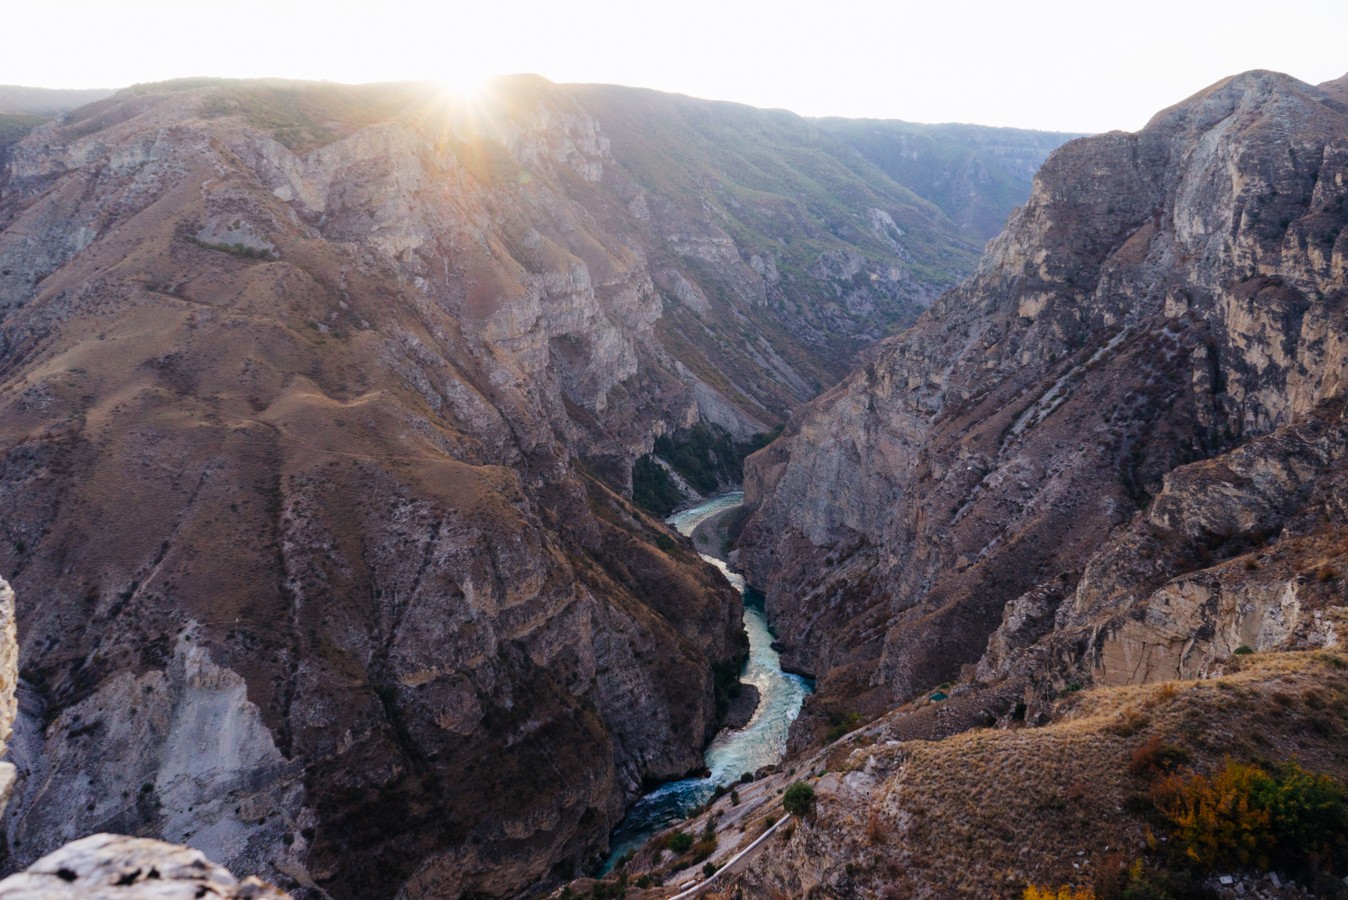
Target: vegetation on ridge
(706, 456)
(986, 812)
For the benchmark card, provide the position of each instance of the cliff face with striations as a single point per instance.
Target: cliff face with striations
(103, 865)
(1116, 451)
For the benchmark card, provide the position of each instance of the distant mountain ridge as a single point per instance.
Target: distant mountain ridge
(975, 174)
(47, 101)
(24, 108)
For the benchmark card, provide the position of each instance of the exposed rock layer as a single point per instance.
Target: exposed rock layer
(9, 685)
(1118, 445)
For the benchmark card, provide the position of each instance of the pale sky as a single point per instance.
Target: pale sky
(1052, 64)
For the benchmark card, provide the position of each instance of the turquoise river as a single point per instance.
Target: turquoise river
(760, 743)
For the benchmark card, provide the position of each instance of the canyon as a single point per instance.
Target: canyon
(1075, 538)
(319, 407)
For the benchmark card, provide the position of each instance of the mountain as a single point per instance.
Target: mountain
(24, 108)
(319, 407)
(48, 102)
(1114, 455)
(974, 174)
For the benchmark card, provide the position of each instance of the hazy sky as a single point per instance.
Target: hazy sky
(1046, 64)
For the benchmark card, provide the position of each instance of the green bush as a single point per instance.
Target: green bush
(799, 799)
(707, 456)
(680, 841)
(1308, 814)
(652, 488)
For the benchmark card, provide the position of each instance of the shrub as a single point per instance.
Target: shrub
(799, 799)
(843, 723)
(1245, 816)
(680, 841)
(708, 869)
(1308, 814)
(1066, 892)
(652, 488)
(1156, 757)
(1214, 819)
(1129, 723)
(704, 848)
(1243, 650)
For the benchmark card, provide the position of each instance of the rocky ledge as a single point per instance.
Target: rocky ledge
(113, 867)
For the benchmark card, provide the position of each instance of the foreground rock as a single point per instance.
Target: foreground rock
(1115, 453)
(112, 867)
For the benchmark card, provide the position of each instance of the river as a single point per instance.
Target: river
(760, 743)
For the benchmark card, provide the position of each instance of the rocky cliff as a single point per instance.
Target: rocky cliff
(313, 579)
(103, 865)
(1115, 452)
(9, 684)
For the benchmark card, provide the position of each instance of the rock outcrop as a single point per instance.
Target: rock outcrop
(112, 867)
(104, 865)
(1115, 451)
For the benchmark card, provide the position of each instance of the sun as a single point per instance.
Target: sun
(464, 85)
